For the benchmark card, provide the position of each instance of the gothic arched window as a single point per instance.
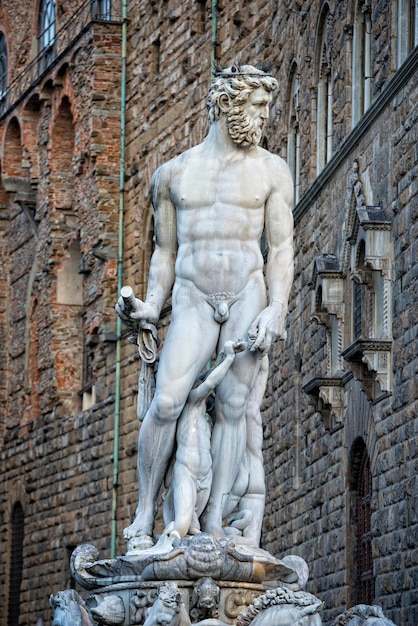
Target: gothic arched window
(361, 491)
(293, 132)
(361, 86)
(324, 92)
(46, 33)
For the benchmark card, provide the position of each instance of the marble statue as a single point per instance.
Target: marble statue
(212, 204)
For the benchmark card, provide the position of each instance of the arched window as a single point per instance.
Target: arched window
(46, 33)
(361, 492)
(361, 86)
(16, 564)
(293, 132)
(324, 92)
(3, 70)
(407, 28)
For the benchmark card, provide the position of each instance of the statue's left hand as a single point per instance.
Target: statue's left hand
(267, 326)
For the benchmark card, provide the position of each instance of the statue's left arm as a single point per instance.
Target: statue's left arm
(270, 323)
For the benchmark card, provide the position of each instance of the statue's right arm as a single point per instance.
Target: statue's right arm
(161, 275)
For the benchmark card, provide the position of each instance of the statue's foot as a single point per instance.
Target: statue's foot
(138, 528)
(215, 530)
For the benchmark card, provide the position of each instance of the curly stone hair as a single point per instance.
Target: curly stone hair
(236, 82)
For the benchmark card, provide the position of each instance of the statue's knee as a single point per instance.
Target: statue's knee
(165, 408)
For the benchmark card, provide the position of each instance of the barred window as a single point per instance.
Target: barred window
(365, 579)
(360, 555)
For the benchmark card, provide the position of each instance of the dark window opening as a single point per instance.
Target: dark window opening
(365, 579)
(357, 317)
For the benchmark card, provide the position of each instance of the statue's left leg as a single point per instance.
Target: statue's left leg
(229, 436)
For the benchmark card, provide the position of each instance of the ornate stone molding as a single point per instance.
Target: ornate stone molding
(328, 395)
(370, 361)
(328, 306)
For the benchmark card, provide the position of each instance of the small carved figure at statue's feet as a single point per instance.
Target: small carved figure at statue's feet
(137, 544)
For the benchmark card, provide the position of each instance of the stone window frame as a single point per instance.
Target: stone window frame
(324, 125)
(328, 309)
(293, 129)
(366, 260)
(361, 61)
(407, 29)
(88, 391)
(46, 33)
(369, 355)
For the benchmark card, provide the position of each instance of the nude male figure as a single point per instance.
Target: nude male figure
(211, 205)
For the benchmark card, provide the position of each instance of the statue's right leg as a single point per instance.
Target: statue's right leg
(185, 353)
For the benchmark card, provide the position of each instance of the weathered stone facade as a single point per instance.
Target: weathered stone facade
(342, 378)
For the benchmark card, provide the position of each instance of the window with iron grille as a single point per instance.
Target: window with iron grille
(16, 564)
(365, 579)
(46, 33)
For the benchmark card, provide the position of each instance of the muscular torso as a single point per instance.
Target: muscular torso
(220, 218)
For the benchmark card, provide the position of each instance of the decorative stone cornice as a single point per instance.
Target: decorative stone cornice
(370, 362)
(328, 395)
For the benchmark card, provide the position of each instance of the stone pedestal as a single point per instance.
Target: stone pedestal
(127, 604)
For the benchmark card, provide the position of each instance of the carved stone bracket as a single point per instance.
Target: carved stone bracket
(328, 395)
(377, 230)
(328, 307)
(370, 361)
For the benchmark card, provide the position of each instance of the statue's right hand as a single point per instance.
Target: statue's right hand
(138, 311)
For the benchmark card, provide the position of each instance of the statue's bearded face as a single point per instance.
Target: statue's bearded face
(246, 121)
